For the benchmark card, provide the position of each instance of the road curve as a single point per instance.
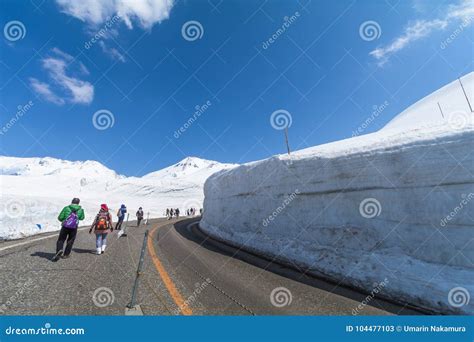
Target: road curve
(185, 273)
(233, 282)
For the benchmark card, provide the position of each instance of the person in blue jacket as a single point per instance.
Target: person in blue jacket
(121, 216)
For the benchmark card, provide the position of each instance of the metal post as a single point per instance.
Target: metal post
(464, 91)
(439, 106)
(286, 139)
(147, 217)
(133, 301)
(125, 227)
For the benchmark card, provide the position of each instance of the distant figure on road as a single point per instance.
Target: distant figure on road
(171, 214)
(167, 213)
(139, 216)
(121, 216)
(176, 212)
(69, 218)
(102, 224)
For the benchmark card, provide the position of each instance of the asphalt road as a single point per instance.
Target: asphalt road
(184, 273)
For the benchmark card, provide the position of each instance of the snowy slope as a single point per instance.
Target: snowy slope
(33, 190)
(446, 105)
(396, 204)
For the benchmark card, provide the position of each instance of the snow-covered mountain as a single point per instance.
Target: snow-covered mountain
(451, 104)
(394, 206)
(13, 166)
(33, 190)
(191, 168)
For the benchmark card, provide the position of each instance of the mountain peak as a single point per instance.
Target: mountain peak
(44, 166)
(194, 162)
(192, 167)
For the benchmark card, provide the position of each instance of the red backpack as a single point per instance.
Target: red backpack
(102, 220)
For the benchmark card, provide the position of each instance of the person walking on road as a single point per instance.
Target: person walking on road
(139, 216)
(102, 224)
(176, 212)
(121, 216)
(69, 218)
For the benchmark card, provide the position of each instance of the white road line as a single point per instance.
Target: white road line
(34, 240)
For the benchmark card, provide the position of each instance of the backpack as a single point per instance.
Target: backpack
(72, 220)
(102, 221)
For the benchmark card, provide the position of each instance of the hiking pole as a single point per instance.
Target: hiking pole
(132, 305)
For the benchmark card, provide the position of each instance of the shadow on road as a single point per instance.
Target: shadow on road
(83, 251)
(44, 255)
(300, 275)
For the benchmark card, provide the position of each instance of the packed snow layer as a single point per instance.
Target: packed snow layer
(361, 210)
(34, 190)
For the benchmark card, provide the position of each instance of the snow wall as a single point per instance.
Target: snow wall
(394, 207)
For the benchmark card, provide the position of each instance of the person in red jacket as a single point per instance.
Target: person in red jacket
(101, 226)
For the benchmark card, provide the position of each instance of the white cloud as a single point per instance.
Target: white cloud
(45, 91)
(464, 11)
(73, 90)
(95, 12)
(412, 33)
(112, 52)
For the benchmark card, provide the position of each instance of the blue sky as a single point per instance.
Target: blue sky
(326, 63)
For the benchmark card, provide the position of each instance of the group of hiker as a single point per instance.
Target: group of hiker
(101, 226)
(191, 212)
(170, 212)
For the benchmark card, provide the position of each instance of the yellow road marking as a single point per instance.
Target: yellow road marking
(177, 298)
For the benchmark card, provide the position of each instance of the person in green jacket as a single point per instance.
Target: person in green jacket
(69, 218)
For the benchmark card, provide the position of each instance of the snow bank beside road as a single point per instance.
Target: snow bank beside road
(365, 209)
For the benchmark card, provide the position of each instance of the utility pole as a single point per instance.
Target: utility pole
(286, 139)
(439, 106)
